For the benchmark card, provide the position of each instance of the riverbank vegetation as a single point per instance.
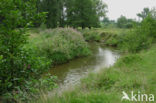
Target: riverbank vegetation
(135, 71)
(132, 72)
(36, 35)
(138, 38)
(24, 57)
(59, 45)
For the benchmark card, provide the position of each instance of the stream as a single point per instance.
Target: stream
(70, 73)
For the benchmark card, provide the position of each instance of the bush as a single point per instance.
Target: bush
(134, 42)
(31, 89)
(17, 64)
(61, 45)
(27, 66)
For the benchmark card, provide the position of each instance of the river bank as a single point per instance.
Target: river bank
(73, 71)
(133, 72)
(60, 46)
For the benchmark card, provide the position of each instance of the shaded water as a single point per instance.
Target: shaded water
(72, 72)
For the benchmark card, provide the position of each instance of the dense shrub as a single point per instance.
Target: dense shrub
(18, 65)
(29, 67)
(61, 45)
(31, 89)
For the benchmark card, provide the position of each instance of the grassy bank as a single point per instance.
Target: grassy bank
(132, 72)
(59, 45)
(102, 34)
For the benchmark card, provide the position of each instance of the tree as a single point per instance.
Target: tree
(62, 13)
(54, 9)
(83, 13)
(123, 22)
(88, 15)
(72, 12)
(144, 13)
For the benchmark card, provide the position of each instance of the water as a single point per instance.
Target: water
(71, 73)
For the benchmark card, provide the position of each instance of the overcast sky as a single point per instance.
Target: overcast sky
(128, 8)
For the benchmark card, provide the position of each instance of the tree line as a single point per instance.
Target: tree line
(124, 22)
(73, 13)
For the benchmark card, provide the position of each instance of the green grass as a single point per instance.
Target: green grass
(103, 34)
(106, 30)
(131, 72)
(116, 31)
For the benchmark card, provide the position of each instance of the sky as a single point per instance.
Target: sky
(128, 8)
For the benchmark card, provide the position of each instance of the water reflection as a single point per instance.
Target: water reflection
(72, 72)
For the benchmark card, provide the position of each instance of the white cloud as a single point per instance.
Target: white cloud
(128, 8)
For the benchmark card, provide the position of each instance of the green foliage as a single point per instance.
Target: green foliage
(17, 64)
(61, 45)
(111, 40)
(32, 89)
(54, 9)
(140, 37)
(108, 36)
(123, 22)
(92, 36)
(88, 15)
(72, 12)
(132, 42)
(148, 26)
(106, 23)
(144, 13)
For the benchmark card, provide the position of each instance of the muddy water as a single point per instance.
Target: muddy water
(72, 72)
